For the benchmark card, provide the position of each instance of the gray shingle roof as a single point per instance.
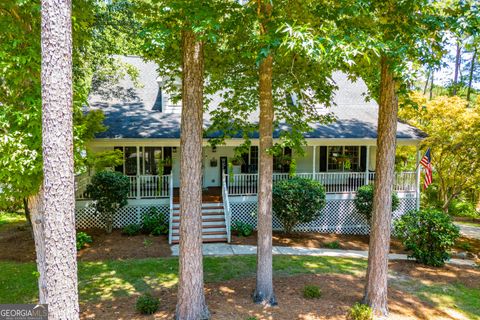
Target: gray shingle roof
(132, 112)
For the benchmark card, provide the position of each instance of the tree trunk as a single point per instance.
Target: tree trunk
(264, 286)
(431, 86)
(60, 256)
(457, 68)
(35, 206)
(426, 83)
(191, 303)
(377, 272)
(26, 210)
(470, 76)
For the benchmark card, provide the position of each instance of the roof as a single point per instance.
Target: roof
(131, 110)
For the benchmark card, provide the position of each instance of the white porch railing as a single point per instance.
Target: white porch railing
(141, 187)
(334, 182)
(170, 216)
(226, 207)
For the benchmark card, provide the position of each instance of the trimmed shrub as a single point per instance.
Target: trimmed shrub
(82, 239)
(131, 230)
(297, 200)
(360, 311)
(364, 201)
(153, 223)
(147, 304)
(110, 192)
(429, 234)
(311, 292)
(242, 229)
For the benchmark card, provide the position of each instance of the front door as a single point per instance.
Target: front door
(223, 168)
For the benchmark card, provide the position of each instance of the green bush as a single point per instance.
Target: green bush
(110, 192)
(360, 311)
(82, 239)
(242, 229)
(153, 223)
(147, 304)
(311, 292)
(461, 208)
(429, 234)
(297, 200)
(364, 201)
(333, 245)
(131, 230)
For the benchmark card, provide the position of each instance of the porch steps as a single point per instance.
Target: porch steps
(213, 223)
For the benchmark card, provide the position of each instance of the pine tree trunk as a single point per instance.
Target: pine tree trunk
(264, 286)
(470, 76)
(59, 282)
(191, 303)
(35, 206)
(377, 272)
(457, 68)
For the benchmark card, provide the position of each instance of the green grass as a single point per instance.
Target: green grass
(468, 223)
(108, 279)
(449, 297)
(8, 218)
(105, 280)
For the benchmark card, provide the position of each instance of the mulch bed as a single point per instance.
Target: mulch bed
(16, 244)
(346, 242)
(232, 299)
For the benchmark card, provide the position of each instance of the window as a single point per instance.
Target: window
(131, 156)
(281, 162)
(158, 105)
(343, 158)
(152, 156)
(250, 161)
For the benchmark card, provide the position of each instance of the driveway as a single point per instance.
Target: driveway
(469, 231)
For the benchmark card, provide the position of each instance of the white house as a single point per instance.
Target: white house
(144, 123)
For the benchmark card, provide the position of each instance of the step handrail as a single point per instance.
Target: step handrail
(226, 207)
(170, 219)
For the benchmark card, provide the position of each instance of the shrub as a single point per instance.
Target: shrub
(82, 239)
(460, 208)
(364, 201)
(110, 192)
(131, 230)
(153, 223)
(333, 245)
(360, 311)
(297, 200)
(311, 292)
(147, 304)
(242, 229)
(429, 234)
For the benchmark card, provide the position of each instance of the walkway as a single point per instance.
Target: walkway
(469, 231)
(224, 249)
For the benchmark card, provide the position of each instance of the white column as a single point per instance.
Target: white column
(314, 161)
(367, 165)
(138, 172)
(417, 178)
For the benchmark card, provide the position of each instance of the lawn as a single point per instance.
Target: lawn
(10, 219)
(111, 282)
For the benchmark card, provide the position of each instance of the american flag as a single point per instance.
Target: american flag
(426, 163)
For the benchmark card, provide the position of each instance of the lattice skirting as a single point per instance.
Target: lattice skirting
(338, 216)
(86, 217)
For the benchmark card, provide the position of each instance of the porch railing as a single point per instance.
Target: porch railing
(141, 187)
(170, 216)
(333, 182)
(226, 207)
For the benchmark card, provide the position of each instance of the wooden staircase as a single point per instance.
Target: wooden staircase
(214, 228)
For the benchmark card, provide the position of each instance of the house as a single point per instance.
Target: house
(144, 122)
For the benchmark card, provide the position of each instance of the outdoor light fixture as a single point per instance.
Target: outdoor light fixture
(214, 149)
(174, 149)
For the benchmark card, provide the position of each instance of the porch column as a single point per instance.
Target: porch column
(314, 161)
(417, 179)
(138, 173)
(367, 165)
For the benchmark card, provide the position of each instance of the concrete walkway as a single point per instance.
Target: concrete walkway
(469, 231)
(225, 249)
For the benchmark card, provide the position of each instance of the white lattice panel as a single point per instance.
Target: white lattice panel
(338, 216)
(86, 217)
